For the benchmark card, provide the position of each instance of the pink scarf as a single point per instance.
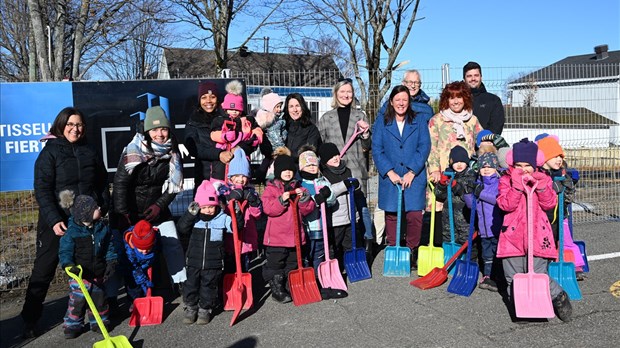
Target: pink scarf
(458, 121)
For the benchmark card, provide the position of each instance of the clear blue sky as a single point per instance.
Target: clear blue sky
(498, 33)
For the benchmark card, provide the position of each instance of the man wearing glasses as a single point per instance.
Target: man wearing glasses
(488, 107)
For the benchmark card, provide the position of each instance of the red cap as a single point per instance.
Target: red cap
(143, 235)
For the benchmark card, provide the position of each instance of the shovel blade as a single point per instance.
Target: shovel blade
(432, 279)
(147, 311)
(113, 342)
(449, 249)
(582, 249)
(330, 276)
(232, 297)
(356, 265)
(564, 274)
(397, 262)
(465, 278)
(531, 295)
(429, 257)
(304, 289)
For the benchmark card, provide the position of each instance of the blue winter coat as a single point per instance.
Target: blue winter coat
(419, 104)
(391, 151)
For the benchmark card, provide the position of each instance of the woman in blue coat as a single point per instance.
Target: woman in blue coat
(400, 146)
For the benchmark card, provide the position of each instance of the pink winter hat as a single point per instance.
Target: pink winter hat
(269, 101)
(233, 102)
(206, 195)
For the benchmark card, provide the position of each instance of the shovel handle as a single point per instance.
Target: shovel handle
(358, 131)
(297, 230)
(149, 273)
(324, 224)
(236, 239)
(89, 300)
(459, 252)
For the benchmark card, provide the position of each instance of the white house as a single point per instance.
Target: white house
(590, 81)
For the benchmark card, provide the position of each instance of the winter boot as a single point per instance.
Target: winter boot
(369, 246)
(191, 313)
(278, 292)
(414, 259)
(72, 332)
(204, 316)
(563, 308)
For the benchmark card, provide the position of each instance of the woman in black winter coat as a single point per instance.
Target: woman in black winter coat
(301, 130)
(148, 177)
(198, 133)
(66, 162)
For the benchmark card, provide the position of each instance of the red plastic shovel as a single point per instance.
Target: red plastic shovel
(531, 293)
(147, 310)
(302, 281)
(238, 286)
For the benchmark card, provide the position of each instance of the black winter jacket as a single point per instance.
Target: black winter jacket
(62, 165)
(134, 193)
(206, 242)
(488, 109)
(199, 144)
(299, 136)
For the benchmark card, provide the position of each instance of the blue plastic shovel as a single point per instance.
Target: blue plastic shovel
(451, 247)
(466, 271)
(564, 272)
(355, 259)
(397, 258)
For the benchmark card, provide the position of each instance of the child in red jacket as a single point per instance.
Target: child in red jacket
(523, 162)
(279, 238)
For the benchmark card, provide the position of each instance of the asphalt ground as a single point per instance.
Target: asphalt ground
(379, 312)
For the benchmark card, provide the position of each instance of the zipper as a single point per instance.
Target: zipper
(204, 247)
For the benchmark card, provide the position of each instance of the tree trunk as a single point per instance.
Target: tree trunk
(40, 42)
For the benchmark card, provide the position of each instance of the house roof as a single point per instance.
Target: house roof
(545, 117)
(582, 67)
(263, 69)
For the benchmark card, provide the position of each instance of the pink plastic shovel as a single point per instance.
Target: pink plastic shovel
(329, 270)
(358, 130)
(531, 293)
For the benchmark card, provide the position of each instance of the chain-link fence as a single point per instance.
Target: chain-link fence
(580, 104)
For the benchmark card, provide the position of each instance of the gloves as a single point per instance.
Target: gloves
(322, 196)
(539, 176)
(236, 194)
(352, 182)
(445, 179)
(251, 197)
(515, 180)
(74, 269)
(478, 189)
(194, 208)
(574, 174)
(240, 218)
(499, 141)
(152, 212)
(110, 269)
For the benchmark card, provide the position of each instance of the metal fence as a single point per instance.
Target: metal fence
(584, 111)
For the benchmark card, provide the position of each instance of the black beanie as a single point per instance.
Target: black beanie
(83, 209)
(282, 163)
(327, 151)
(458, 154)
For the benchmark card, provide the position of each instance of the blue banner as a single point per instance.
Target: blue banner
(27, 111)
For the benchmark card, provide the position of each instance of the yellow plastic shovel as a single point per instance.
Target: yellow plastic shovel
(430, 256)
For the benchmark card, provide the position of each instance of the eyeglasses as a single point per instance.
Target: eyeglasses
(412, 83)
(348, 80)
(73, 125)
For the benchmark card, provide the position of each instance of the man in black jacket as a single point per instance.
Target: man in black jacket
(488, 107)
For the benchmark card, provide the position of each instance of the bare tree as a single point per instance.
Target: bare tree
(377, 29)
(214, 18)
(14, 41)
(328, 45)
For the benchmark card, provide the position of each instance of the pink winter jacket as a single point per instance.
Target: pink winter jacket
(513, 235)
(280, 222)
(249, 239)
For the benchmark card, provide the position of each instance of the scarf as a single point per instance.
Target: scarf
(140, 263)
(336, 174)
(457, 121)
(138, 152)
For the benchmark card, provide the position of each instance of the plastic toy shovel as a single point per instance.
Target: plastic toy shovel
(466, 271)
(238, 286)
(532, 297)
(358, 130)
(355, 259)
(449, 248)
(147, 310)
(116, 341)
(304, 289)
(329, 270)
(564, 272)
(430, 256)
(397, 258)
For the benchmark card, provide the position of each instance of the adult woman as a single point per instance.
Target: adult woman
(400, 147)
(198, 133)
(148, 177)
(67, 162)
(299, 126)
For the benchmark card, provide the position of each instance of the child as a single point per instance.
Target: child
(140, 243)
(555, 167)
(490, 217)
(511, 247)
(87, 242)
(238, 187)
(318, 187)
(279, 238)
(341, 179)
(233, 129)
(206, 223)
(462, 185)
(268, 118)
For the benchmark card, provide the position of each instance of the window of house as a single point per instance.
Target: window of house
(314, 111)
